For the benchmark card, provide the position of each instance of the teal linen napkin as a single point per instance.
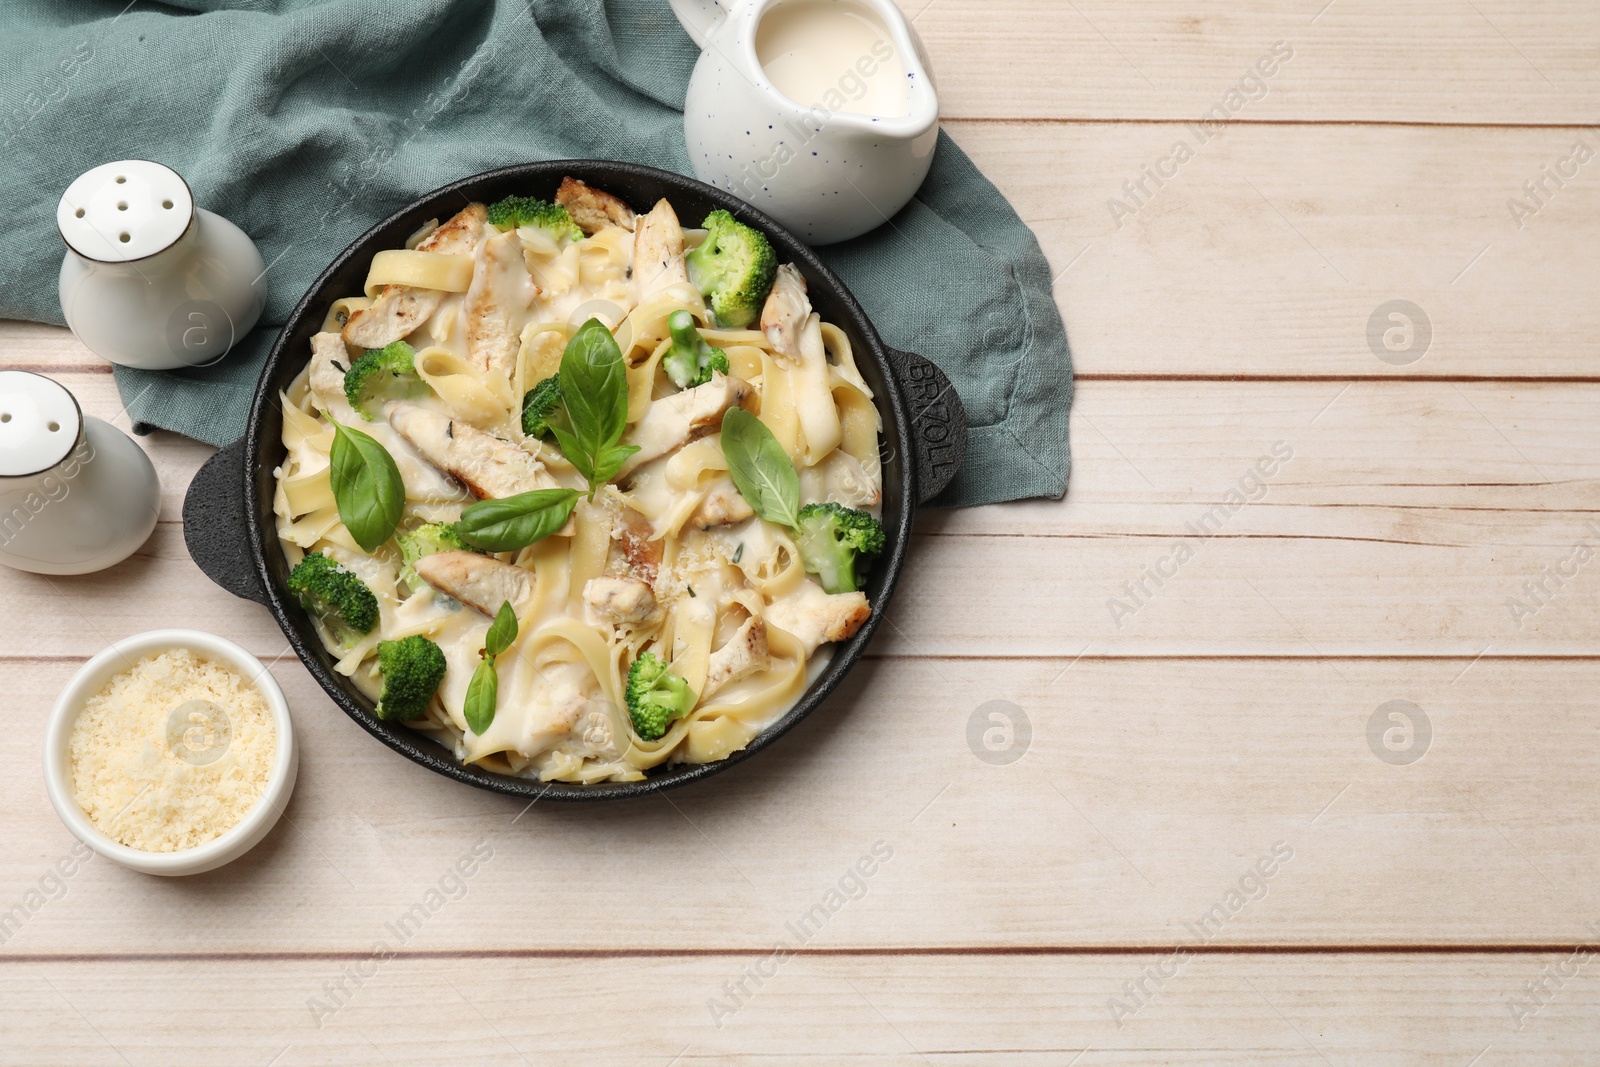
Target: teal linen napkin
(305, 122)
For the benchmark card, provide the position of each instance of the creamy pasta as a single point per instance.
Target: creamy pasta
(667, 558)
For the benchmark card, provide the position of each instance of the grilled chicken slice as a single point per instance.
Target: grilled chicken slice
(497, 303)
(841, 478)
(632, 533)
(489, 467)
(330, 361)
(721, 506)
(618, 601)
(559, 698)
(820, 429)
(745, 653)
(816, 618)
(400, 309)
(398, 312)
(592, 209)
(676, 420)
(786, 311)
(658, 252)
(480, 582)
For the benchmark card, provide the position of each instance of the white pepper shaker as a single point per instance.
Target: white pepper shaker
(76, 494)
(150, 280)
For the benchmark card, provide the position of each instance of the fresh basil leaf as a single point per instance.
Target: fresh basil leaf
(762, 471)
(599, 467)
(594, 385)
(577, 453)
(502, 631)
(484, 689)
(482, 692)
(594, 390)
(514, 522)
(366, 486)
(610, 461)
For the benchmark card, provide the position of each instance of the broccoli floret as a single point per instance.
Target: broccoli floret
(336, 596)
(541, 405)
(656, 696)
(690, 361)
(388, 373)
(515, 211)
(733, 268)
(412, 669)
(838, 544)
(425, 540)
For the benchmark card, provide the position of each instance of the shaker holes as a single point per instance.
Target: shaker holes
(51, 426)
(122, 205)
(124, 238)
(167, 204)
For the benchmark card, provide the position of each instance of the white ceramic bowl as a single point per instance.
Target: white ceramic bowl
(92, 677)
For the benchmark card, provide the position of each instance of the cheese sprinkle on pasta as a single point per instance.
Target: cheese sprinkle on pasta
(172, 752)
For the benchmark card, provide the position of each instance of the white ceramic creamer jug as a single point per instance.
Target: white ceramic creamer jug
(819, 112)
(76, 494)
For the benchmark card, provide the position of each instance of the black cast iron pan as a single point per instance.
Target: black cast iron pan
(230, 528)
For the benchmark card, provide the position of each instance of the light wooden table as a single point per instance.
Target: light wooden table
(1420, 910)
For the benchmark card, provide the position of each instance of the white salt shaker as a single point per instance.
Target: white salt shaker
(76, 494)
(150, 280)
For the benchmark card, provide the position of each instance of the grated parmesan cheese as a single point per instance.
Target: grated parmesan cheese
(172, 752)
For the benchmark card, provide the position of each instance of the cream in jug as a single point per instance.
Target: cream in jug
(811, 49)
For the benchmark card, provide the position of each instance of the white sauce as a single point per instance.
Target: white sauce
(834, 55)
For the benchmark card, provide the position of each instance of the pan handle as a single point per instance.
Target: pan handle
(938, 422)
(214, 525)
